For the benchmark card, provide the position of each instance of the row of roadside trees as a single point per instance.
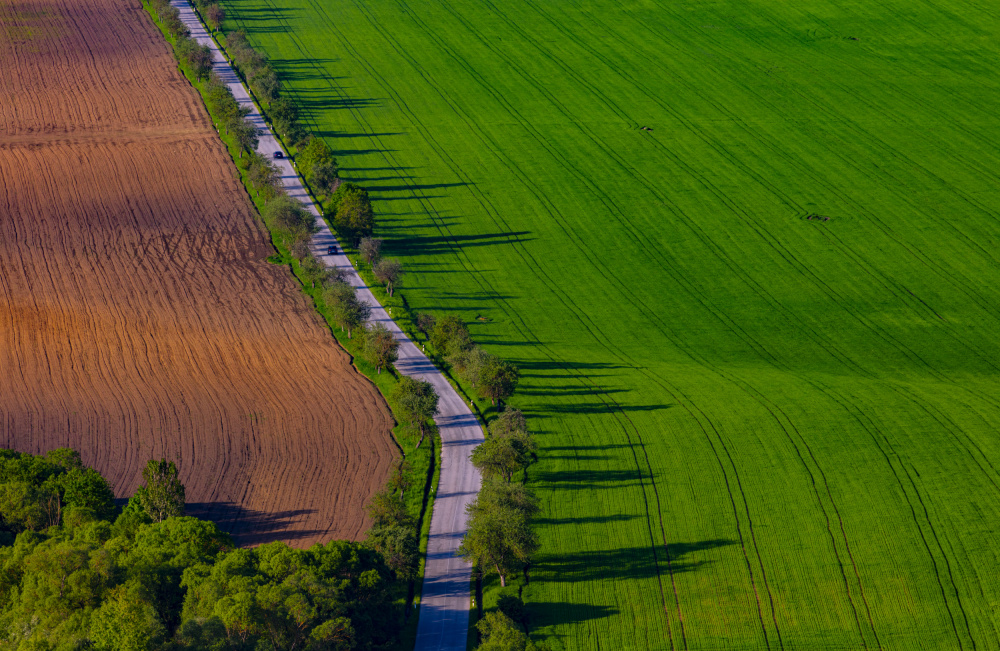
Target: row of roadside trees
(500, 537)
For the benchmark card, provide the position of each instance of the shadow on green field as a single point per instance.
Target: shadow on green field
(624, 563)
(553, 613)
(554, 410)
(590, 519)
(570, 390)
(265, 15)
(586, 479)
(676, 550)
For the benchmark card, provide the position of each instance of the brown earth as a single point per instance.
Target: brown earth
(138, 316)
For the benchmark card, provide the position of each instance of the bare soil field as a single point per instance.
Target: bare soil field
(138, 316)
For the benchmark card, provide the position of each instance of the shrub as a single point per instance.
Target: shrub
(291, 217)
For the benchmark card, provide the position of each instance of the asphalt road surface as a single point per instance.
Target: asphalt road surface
(446, 598)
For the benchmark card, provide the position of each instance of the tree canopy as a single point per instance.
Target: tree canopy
(416, 402)
(499, 535)
(78, 574)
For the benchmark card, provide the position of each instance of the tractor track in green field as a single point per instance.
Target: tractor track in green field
(770, 358)
(905, 310)
(899, 345)
(779, 151)
(759, 561)
(824, 108)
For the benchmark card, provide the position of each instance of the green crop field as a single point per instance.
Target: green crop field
(757, 430)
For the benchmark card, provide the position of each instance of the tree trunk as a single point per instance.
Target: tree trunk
(503, 579)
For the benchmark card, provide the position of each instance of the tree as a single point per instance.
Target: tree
(369, 248)
(352, 211)
(388, 271)
(283, 109)
(448, 330)
(380, 346)
(313, 153)
(398, 546)
(27, 506)
(246, 134)
(425, 323)
(86, 488)
(498, 379)
(388, 510)
(499, 534)
(468, 360)
(502, 456)
(214, 15)
(349, 312)
(264, 175)
(510, 422)
(198, 58)
(324, 177)
(399, 479)
(291, 216)
(501, 633)
(313, 269)
(163, 494)
(125, 622)
(417, 401)
(265, 84)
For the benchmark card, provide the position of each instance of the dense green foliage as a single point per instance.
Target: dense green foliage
(755, 430)
(416, 402)
(351, 211)
(76, 574)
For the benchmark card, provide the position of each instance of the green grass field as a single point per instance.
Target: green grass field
(758, 431)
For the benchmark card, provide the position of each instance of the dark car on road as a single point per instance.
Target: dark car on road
(279, 154)
(331, 250)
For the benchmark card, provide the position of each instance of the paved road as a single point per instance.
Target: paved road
(444, 606)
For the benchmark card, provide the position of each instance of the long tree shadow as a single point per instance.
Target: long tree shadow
(551, 409)
(622, 563)
(259, 15)
(375, 169)
(435, 244)
(605, 566)
(249, 527)
(324, 101)
(573, 390)
(588, 480)
(565, 366)
(586, 519)
(412, 186)
(553, 613)
(344, 134)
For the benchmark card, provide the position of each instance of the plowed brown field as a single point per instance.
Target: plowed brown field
(138, 317)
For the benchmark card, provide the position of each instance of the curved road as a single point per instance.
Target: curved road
(446, 599)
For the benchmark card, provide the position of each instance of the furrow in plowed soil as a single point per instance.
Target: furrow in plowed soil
(138, 316)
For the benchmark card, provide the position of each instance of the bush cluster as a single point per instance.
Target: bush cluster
(317, 164)
(351, 210)
(212, 12)
(196, 58)
(76, 573)
(490, 376)
(262, 79)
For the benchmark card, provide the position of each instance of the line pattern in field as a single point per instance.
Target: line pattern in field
(797, 414)
(138, 316)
